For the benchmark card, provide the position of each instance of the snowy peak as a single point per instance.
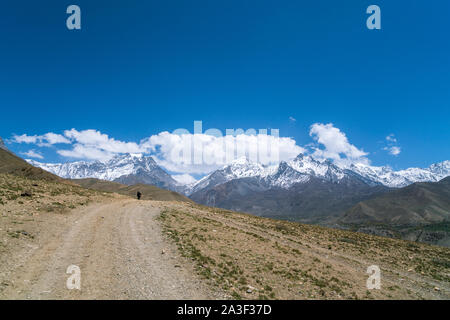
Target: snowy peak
(125, 168)
(237, 169)
(242, 168)
(138, 168)
(441, 169)
(131, 163)
(284, 175)
(397, 179)
(302, 168)
(106, 170)
(308, 165)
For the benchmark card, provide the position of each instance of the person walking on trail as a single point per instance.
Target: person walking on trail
(139, 195)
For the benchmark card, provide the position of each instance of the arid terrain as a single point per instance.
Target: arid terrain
(252, 257)
(129, 249)
(115, 241)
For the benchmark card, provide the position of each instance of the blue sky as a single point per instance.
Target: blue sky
(138, 68)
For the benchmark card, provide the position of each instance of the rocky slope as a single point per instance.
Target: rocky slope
(419, 212)
(2, 145)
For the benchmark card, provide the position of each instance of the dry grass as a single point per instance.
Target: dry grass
(257, 258)
(41, 195)
(23, 201)
(246, 256)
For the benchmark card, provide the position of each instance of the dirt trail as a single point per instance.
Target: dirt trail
(121, 253)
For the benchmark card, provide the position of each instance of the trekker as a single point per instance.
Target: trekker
(139, 195)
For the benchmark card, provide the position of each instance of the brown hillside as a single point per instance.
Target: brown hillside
(11, 164)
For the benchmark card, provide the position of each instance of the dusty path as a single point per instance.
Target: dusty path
(120, 251)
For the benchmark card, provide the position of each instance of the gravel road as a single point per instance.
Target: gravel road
(121, 253)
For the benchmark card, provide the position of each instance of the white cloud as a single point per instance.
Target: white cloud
(184, 179)
(393, 150)
(392, 146)
(25, 139)
(44, 140)
(94, 139)
(292, 119)
(202, 153)
(186, 153)
(335, 145)
(180, 153)
(94, 145)
(53, 138)
(33, 154)
(80, 151)
(391, 138)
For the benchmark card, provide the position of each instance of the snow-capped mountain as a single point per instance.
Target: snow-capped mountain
(137, 168)
(303, 167)
(284, 175)
(441, 169)
(402, 178)
(303, 189)
(127, 169)
(300, 170)
(239, 168)
(308, 165)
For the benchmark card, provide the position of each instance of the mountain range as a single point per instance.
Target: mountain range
(129, 169)
(403, 178)
(303, 189)
(54, 217)
(137, 168)
(293, 190)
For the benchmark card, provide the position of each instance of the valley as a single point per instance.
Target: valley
(166, 246)
(303, 189)
(149, 249)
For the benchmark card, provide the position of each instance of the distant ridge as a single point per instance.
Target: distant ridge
(417, 204)
(148, 192)
(418, 212)
(303, 189)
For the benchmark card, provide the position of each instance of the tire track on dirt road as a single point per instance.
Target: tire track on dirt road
(121, 252)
